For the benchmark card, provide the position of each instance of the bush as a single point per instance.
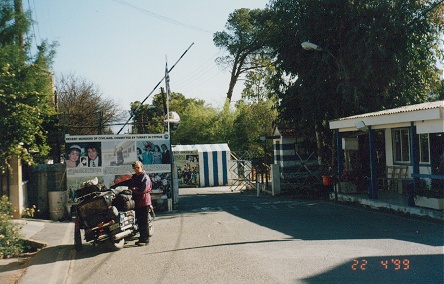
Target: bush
(29, 212)
(430, 193)
(10, 242)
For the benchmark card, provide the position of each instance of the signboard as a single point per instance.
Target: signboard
(187, 164)
(109, 158)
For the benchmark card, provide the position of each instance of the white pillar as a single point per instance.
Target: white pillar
(16, 196)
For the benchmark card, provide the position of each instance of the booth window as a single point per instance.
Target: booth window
(424, 148)
(401, 145)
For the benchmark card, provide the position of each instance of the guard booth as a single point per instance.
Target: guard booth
(297, 160)
(212, 162)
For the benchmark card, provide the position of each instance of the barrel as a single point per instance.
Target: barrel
(57, 201)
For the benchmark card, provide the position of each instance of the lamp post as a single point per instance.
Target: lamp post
(336, 138)
(372, 190)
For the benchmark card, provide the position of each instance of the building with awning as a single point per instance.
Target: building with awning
(413, 139)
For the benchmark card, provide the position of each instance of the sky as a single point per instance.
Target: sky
(122, 46)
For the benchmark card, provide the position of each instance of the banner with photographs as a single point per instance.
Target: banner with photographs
(187, 163)
(109, 158)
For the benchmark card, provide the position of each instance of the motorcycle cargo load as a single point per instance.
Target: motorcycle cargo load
(95, 205)
(124, 201)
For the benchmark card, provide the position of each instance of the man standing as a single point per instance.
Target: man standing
(93, 157)
(147, 156)
(166, 158)
(141, 187)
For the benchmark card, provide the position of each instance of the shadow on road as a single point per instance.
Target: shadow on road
(222, 245)
(317, 219)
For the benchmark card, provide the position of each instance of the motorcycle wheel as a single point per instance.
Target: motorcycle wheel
(150, 224)
(115, 245)
(77, 236)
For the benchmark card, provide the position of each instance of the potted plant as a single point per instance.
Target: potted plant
(347, 182)
(430, 198)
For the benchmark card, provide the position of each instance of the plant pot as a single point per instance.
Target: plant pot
(347, 187)
(327, 180)
(433, 203)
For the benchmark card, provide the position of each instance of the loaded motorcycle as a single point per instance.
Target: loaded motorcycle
(106, 216)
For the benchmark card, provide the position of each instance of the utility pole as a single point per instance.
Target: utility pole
(99, 122)
(18, 15)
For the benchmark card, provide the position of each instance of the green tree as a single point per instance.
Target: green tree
(375, 55)
(197, 120)
(147, 118)
(243, 40)
(258, 84)
(252, 120)
(198, 125)
(25, 89)
(378, 54)
(203, 124)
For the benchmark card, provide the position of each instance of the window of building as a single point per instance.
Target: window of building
(424, 148)
(401, 145)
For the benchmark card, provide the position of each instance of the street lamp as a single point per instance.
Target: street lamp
(306, 45)
(310, 46)
(173, 119)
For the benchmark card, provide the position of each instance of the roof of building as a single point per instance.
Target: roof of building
(427, 117)
(285, 132)
(410, 108)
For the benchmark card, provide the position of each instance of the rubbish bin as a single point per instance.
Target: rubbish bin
(57, 201)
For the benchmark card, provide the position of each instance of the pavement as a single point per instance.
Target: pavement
(51, 236)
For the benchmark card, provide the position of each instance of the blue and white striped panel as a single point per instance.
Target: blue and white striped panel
(213, 162)
(288, 154)
(284, 153)
(222, 156)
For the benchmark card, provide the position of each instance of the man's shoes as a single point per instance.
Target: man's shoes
(141, 244)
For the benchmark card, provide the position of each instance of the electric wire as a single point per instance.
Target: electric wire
(162, 18)
(200, 74)
(33, 26)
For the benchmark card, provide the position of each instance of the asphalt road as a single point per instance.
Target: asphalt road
(221, 237)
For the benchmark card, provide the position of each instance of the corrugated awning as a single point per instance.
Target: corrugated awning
(429, 113)
(201, 148)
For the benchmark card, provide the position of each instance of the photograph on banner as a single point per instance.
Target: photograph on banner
(161, 185)
(187, 164)
(74, 183)
(85, 154)
(153, 152)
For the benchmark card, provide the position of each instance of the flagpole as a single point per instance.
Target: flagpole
(168, 91)
(131, 116)
(168, 96)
